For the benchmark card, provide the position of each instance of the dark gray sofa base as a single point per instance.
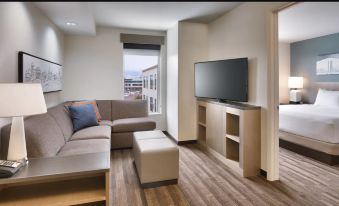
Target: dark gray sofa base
(122, 140)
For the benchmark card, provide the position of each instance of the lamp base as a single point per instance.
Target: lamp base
(24, 161)
(295, 95)
(17, 143)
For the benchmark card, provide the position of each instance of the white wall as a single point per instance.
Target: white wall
(284, 71)
(25, 28)
(193, 47)
(94, 66)
(187, 44)
(244, 32)
(172, 81)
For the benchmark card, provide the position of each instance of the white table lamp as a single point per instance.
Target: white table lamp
(18, 100)
(295, 84)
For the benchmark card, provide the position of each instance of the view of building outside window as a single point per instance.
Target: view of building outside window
(140, 76)
(150, 91)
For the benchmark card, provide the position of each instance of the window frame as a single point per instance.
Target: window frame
(149, 82)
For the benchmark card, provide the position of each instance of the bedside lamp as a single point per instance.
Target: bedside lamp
(295, 84)
(18, 100)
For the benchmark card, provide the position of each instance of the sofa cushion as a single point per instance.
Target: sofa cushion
(85, 146)
(95, 132)
(133, 124)
(63, 118)
(44, 138)
(83, 116)
(122, 109)
(106, 122)
(105, 109)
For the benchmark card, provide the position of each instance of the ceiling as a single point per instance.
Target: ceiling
(308, 20)
(135, 15)
(62, 12)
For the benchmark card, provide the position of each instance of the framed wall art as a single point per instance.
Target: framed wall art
(328, 64)
(33, 69)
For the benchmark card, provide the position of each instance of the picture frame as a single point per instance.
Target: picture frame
(33, 69)
(328, 64)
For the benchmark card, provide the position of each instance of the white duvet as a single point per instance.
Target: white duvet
(308, 120)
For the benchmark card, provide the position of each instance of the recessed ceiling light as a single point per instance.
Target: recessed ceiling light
(71, 24)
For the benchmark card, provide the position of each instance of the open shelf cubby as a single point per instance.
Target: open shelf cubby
(232, 125)
(232, 150)
(201, 121)
(202, 133)
(202, 115)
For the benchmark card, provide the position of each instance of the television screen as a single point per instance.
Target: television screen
(223, 79)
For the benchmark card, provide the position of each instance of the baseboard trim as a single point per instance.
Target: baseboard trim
(187, 142)
(122, 148)
(159, 184)
(179, 142)
(263, 173)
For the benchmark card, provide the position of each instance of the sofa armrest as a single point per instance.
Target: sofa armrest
(122, 109)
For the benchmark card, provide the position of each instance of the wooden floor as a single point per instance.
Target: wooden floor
(204, 180)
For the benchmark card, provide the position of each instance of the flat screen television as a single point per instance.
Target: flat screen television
(222, 80)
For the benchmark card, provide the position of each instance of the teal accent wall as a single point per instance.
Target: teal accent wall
(304, 55)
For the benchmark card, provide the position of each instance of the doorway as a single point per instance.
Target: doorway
(304, 58)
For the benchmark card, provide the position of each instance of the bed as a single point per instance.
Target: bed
(311, 130)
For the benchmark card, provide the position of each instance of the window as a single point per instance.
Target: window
(151, 82)
(155, 81)
(151, 106)
(141, 70)
(155, 105)
(146, 82)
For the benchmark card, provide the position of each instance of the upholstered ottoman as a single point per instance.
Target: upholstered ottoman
(156, 159)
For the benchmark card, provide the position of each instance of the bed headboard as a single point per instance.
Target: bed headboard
(310, 91)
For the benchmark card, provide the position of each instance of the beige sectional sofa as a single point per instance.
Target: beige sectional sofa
(125, 117)
(51, 134)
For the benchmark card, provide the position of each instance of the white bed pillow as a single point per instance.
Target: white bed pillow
(327, 98)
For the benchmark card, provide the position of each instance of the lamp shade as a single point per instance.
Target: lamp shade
(19, 99)
(295, 82)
